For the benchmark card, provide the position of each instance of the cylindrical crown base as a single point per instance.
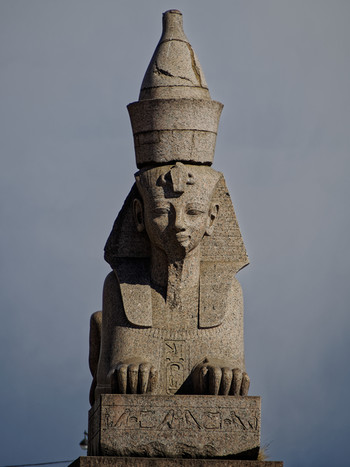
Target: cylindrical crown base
(166, 146)
(169, 130)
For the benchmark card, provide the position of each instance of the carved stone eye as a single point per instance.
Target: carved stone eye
(161, 211)
(194, 212)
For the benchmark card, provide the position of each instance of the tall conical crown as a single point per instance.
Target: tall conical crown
(174, 71)
(175, 118)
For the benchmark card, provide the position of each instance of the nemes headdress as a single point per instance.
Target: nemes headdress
(175, 124)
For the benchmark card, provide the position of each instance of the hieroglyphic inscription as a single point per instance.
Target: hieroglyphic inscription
(162, 418)
(212, 420)
(175, 352)
(132, 423)
(246, 423)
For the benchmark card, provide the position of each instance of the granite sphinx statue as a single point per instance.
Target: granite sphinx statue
(172, 317)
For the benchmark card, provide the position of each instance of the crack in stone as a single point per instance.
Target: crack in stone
(192, 144)
(160, 71)
(194, 65)
(172, 40)
(174, 86)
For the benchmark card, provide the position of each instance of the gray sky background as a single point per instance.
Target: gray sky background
(68, 69)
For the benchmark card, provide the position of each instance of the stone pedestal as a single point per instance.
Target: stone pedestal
(175, 426)
(98, 461)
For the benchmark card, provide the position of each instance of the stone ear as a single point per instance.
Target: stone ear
(138, 215)
(213, 212)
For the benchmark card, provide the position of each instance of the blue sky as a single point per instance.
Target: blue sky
(68, 69)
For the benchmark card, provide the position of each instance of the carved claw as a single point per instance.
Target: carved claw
(215, 374)
(226, 380)
(152, 380)
(122, 372)
(144, 371)
(133, 378)
(245, 385)
(236, 382)
(217, 378)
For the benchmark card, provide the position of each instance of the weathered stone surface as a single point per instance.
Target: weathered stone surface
(92, 461)
(175, 118)
(175, 114)
(225, 243)
(174, 313)
(165, 146)
(166, 351)
(167, 130)
(182, 426)
(174, 70)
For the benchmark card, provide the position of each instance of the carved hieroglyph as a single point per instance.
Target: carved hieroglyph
(175, 426)
(172, 318)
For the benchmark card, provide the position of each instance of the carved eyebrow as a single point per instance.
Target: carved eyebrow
(158, 207)
(199, 206)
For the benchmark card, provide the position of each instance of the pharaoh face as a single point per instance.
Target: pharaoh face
(177, 209)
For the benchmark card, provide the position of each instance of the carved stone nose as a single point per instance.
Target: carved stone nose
(179, 221)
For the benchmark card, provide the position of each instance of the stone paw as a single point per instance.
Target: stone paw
(216, 377)
(133, 377)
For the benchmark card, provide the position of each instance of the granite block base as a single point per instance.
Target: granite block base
(98, 461)
(178, 426)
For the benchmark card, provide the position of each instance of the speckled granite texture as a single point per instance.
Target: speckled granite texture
(166, 462)
(181, 426)
(167, 350)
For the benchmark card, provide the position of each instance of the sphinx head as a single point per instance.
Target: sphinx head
(176, 208)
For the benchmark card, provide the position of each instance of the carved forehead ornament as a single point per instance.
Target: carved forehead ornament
(179, 176)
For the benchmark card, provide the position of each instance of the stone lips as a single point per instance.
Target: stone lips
(181, 426)
(168, 130)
